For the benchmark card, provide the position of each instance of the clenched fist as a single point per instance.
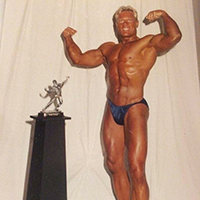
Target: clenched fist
(68, 32)
(153, 16)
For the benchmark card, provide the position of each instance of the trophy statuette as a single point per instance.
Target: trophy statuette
(53, 91)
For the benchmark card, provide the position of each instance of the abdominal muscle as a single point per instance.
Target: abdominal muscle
(127, 69)
(125, 86)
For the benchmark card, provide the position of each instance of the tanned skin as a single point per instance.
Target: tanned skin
(127, 67)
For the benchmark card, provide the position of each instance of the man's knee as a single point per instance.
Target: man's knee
(115, 165)
(137, 172)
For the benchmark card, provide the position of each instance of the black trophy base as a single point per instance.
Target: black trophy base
(47, 176)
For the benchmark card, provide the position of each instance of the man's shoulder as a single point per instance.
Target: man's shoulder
(107, 44)
(152, 40)
(106, 47)
(147, 38)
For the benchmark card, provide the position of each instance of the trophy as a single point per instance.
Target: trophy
(47, 169)
(55, 93)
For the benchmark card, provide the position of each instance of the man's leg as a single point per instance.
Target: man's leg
(136, 141)
(114, 146)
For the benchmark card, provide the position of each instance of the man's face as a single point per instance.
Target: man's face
(126, 24)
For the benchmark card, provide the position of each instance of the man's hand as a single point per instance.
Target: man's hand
(153, 16)
(68, 32)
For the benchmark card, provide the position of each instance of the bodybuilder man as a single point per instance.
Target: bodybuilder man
(127, 66)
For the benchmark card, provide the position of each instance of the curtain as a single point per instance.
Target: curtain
(196, 6)
(2, 2)
(32, 55)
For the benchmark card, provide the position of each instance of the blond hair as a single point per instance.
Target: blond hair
(125, 8)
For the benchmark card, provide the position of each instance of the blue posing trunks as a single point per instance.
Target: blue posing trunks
(119, 112)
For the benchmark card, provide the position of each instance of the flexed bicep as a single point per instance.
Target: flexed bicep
(171, 33)
(161, 43)
(91, 58)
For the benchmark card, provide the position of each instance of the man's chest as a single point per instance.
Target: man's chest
(130, 59)
(125, 54)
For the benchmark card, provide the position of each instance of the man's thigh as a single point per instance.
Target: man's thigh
(136, 132)
(113, 136)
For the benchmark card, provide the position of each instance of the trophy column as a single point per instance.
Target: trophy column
(47, 176)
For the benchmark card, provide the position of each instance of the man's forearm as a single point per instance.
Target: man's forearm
(71, 49)
(171, 28)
